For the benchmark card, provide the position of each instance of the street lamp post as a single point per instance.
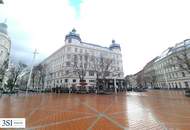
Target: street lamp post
(115, 85)
(29, 79)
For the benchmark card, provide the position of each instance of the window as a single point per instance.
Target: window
(180, 84)
(82, 80)
(92, 58)
(75, 72)
(183, 74)
(68, 56)
(76, 49)
(69, 49)
(68, 64)
(74, 80)
(92, 81)
(69, 40)
(75, 58)
(66, 80)
(186, 84)
(170, 85)
(81, 50)
(176, 86)
(67, 72)
(85, 65)
(80, 58)
(91, 73)
(176, 74)
(86, 58)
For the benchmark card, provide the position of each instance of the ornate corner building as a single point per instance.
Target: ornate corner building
(62, 67)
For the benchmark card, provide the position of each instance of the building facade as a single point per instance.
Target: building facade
(170, 70)
(5, 43)
(78, 60)
(5, 46)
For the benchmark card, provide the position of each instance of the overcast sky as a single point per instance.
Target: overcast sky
(143, 28)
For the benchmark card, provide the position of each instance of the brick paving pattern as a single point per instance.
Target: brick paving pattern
(152, 110)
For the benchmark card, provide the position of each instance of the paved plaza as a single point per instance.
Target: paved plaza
(152, 110)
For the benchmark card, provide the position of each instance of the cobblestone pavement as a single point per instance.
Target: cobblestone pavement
(152, 110)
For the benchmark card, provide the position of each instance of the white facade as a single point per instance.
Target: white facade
(5, 44)
(166, 68)
(59, 64)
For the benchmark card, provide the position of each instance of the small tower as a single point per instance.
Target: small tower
(3, 27)
(115, 47)
(72, 37)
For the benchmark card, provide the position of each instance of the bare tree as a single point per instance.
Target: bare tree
(182, 59)
(34, 75)
(102, 67)
(80, 65)
(150, 78)
(83, 63)
(140, 79)
(42, 74)
(3, 69)
(14, 73)
(128, 81)
(38, 75)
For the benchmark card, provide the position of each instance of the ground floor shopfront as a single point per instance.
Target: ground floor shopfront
(108, 84)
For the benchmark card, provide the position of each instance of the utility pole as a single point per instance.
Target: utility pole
(29, 79)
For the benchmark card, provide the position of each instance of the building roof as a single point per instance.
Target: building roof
(179, 46)
(114, 45)
(95, 45)
(73, 35)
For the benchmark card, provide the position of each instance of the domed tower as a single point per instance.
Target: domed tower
(3, 28)
(115, 47)
(5, 44)
(72, 37)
